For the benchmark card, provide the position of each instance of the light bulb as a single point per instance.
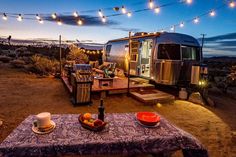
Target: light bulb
(181, 24)
(157, 10)
(100, 13)
(104, 19)
(4, 17)
(232, 4)
(129, 14)
(59, 22)
(79, 22)
(54, 15)
(123, 10)
(40, 21)
(37, 17)
(151, 4)
(75, 14)
(212, 13)
(189, 1)
(196, 20)
(172, 28)
(19, 18)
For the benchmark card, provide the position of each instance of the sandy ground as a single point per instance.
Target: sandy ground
(22, 94)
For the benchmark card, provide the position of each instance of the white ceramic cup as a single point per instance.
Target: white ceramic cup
(43, 120)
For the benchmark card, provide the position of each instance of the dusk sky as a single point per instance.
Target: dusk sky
(93, 29)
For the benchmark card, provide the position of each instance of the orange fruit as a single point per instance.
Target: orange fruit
(87, 116)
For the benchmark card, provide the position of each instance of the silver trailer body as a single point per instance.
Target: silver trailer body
(166, 58)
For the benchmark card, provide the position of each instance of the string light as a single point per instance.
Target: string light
(19, 18)
(232, 4)
(104, 19)
(100, 13)
(59, 22)
(157, 10)
(123, 10)
(196, 20)
(40, 21)
(4, 17)
(54, 15)
(212, 13)
(129, 14)
(79, 22)
(151, 4)
(75, 14)
(181, 24)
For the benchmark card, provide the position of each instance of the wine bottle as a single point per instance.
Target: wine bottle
(101, 111)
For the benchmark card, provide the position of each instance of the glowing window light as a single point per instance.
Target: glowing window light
(123, 10)
(40, 21)
(75, 14)
(54, 15)
(181, 24)
(212, 13)
(104, 19)
(80, 22)
(157, 10)
(189, 1)
(129, 14)
(4, 17)
(59, 22)
(19, 18)
(232, 4)
(151, 4)
(37, 17)
(100, 13)
(196, 20)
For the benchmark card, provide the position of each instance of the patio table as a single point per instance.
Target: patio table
(123, 135)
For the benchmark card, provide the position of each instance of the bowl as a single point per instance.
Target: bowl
(148, 118)
(99, 126)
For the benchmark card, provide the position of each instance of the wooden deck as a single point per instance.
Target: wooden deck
(119, 85)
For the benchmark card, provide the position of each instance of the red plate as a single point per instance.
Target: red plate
(148, 118)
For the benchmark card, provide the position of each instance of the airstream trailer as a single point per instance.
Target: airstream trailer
(165, 58)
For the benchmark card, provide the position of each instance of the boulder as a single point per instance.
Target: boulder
(5, 59)
(196, 98)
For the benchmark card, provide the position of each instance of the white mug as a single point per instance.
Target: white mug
(43, 120)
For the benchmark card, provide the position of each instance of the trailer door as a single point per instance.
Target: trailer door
(145, 57)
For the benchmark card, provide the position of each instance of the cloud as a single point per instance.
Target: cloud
(220, 45)
(222, 37)
(126, 29)
(87, 20)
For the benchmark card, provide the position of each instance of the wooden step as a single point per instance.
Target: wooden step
(152, 96)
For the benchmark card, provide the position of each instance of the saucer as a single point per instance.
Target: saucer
(38, 131)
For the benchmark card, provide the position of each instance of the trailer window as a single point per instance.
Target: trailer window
(169, 51)
(190, 53)
(108, 50)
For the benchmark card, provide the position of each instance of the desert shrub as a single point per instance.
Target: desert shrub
(5, 59)
(17, 63)
(77, 55)
(44, 65)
